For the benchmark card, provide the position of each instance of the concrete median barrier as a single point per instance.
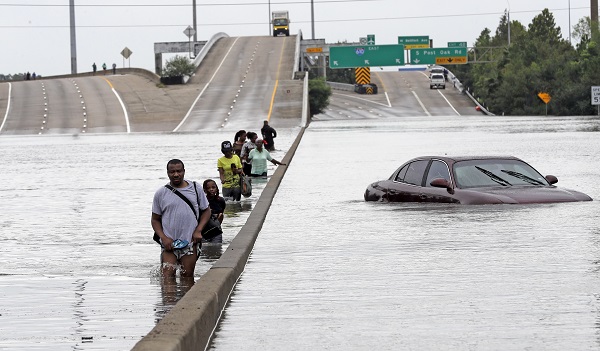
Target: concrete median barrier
(190, 324)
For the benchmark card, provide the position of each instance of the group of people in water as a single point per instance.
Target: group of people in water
(180, 211)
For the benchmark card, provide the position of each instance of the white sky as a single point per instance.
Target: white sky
(37, 38)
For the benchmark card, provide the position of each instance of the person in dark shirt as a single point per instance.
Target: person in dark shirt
(268, 134)
(216, 203)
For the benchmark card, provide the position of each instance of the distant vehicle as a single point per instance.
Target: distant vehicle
(281, 22)
(470, 181)
(437, 80)
(436, 70)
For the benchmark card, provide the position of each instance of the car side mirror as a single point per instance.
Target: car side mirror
(442, 183)
(551, 179)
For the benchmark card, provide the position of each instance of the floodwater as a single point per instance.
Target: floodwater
(332, 272)
(79, 270)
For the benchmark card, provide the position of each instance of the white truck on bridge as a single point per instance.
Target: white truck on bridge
(281, 22)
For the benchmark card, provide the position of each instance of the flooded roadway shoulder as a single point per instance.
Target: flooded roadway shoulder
(191, 323)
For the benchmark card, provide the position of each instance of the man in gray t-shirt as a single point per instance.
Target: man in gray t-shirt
(173, 219)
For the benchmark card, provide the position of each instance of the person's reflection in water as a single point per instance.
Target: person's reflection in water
(172, 291)
(211, 251)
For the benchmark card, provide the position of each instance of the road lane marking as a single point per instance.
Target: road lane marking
(444, 96)
(122, 105)
(7, 107)
(363, 99)
(206, 86)
(421, 103)
(384, 89)
(276, 80)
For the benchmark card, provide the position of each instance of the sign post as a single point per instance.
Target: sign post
(418, 42)
(189, 31)
(596, 97)
(546, 99)
(366, 56)
(126, 53)
(439, 56)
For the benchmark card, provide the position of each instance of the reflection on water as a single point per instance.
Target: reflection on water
(172, 290)
(331, 271)
(79, 268)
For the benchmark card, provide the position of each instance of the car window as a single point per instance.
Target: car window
(438, 169)
(415, 172)
(401, 174)
(500, 172)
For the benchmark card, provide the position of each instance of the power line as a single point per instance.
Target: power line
(187, 5)
(262, 23)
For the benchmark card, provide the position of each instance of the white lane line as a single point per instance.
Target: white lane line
(7, 107)
(421, 103)
(120, 102)
(444, 96)
(124, 110)
(206, 86)
(388, 99)
(359, 98)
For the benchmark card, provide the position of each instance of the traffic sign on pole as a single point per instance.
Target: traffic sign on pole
(417, 42)
(457, 44)
(366, 56)
(430, 56)
(370, 39)
(596, 95)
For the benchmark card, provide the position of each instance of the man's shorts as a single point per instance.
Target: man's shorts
(188, 250)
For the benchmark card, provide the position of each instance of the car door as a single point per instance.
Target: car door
(407, 185)
(437, 169)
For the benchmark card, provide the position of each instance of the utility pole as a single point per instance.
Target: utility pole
(508, 19)
(312, 17)
(73, 41)
(195, 24)
(594, 14)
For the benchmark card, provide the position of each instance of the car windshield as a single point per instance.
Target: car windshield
(280, 22)
(496, 172)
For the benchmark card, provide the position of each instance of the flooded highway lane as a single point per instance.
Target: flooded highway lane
(331, 271)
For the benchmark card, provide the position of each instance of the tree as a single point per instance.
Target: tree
(178, 66)
(318, 95)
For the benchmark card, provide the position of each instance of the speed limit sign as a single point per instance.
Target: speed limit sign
(595, 95)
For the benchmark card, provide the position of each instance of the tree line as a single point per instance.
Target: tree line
(538, 59)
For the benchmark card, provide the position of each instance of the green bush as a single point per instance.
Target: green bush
(318, 95)
(178, 66)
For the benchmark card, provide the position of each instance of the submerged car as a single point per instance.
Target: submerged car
(470, 181)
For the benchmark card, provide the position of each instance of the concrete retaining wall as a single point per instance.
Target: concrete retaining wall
(190, 324)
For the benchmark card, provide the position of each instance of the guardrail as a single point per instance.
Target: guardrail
(206, 48)
(458, 85)
(341, 86)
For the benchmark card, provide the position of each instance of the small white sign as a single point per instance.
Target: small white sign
(596, 95)
(189, 31)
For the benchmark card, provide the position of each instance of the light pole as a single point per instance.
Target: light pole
(195, 24)
(569, 21)
(269, 14)
(312, 17)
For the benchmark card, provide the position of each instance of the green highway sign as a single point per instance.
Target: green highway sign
(371, 39)
(421, 41)
(366, 56)
(457, 44)
(428, 56)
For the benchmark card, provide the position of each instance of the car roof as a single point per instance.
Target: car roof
(452, 159)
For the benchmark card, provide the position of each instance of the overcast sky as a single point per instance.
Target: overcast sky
(35, 37)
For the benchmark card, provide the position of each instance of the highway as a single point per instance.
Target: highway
(401, 94)
(241, 82)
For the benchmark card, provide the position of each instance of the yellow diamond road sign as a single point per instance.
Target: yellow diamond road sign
(545, 97)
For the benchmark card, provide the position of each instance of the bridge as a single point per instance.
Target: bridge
(239, 82)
